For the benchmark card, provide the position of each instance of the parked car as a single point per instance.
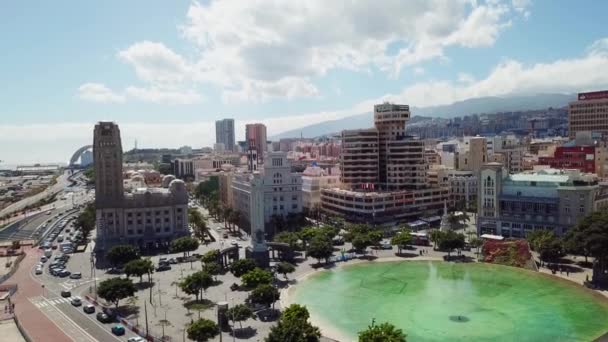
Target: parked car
(163, 267)
(135, 339)
(66, 294)
(38, 270)
(64, 273)
(43, 259)
(118, 330)
(76, 301)
(76, 275)
(89, 308)
(172, 261)
(103, 318)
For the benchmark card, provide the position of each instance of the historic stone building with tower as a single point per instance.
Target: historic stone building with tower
(144, 217)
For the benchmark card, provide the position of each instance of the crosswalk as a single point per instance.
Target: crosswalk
(72, 283)
(41, 302)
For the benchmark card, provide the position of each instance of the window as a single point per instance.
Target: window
(166, 219)
(148, 213)
(167, 229)
(130, 232)
(138, 221)
(129, 214)
(139, 231)
(157, 220)
(158, 229)
(294, 206)
(179, 210)
(148, 221)
(581, 209)
(130, 222)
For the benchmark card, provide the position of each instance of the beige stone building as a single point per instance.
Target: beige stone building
(145, 217)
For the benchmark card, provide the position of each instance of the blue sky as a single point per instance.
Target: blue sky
(165, 70)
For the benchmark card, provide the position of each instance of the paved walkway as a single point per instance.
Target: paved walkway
(36, 324)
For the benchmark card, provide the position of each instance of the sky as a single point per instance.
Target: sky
(166, 70)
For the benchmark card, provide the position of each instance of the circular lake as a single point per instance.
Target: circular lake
(438, 301)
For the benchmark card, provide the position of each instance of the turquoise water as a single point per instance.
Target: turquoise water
(437, 301)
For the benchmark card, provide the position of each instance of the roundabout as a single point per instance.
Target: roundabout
(438, 301)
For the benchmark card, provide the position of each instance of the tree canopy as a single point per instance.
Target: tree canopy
(240, 313)
(85, 222)
(289, 238)
(450, 240)
(184, 245)
(401, 239)
(139, 267)
(320, 247)
(264, 294)
(211, 256)
(242, 266)
(115, 289)
(293, 326)
(122, 254)
(255, 277)
(196, 283)
(202, 330)
(590, 236)
(284, 268)
(384, 332)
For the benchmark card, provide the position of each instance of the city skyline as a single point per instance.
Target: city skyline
(172, 72)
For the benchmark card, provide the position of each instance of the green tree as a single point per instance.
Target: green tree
(196, 283)
(255, 277)
(384, 332)
(293, 326)
(476, 242)
(450, 241)
(435, 235)
(264, 294)
(242, 266)
(240, 313)
(211, 256)
(115, 289)
(212, 268)
(202, 330)
(306, 234)
(184, 245)
(235, 218)
(591, 235)
(85, 222)
(284, 268)
(289, 238)
(122, 254)
(139, 267)
(197, 221)
(320, 247)
(401, 239)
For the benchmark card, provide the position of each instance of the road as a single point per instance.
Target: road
(34, 226)
(62, 181)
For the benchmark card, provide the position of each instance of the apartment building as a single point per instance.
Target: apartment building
(589, 113)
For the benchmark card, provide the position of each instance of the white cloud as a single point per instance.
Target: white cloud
(418, 71)
(154, 62)
(167, 96)
(258, 50)
(98, 92)
(513, 77)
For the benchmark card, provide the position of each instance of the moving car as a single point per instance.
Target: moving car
(76, 301)
(76, 275)
(66, 294)
(103, 318)
(43, 259)
(38, 270)
(118, 330)
(89, 308)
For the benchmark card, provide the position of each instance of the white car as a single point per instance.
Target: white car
(135, 339)
(76, 301)
(38, 270)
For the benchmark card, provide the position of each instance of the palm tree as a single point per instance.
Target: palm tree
(235, 218)
(277, 222)
(226, 216)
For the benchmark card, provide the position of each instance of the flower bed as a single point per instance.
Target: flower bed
(511, 253)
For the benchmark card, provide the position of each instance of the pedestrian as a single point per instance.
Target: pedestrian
(567, 273)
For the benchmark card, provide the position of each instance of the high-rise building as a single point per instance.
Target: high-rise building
(255, 135)
(146, 217)
(589, 113)
(224, 133)
(385, 170)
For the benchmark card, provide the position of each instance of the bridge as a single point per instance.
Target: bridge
(77, 155)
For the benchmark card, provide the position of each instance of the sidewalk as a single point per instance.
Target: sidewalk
(37, 326)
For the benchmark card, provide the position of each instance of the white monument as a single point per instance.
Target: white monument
(259, 249)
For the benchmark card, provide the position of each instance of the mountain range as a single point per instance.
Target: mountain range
(481, 105)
